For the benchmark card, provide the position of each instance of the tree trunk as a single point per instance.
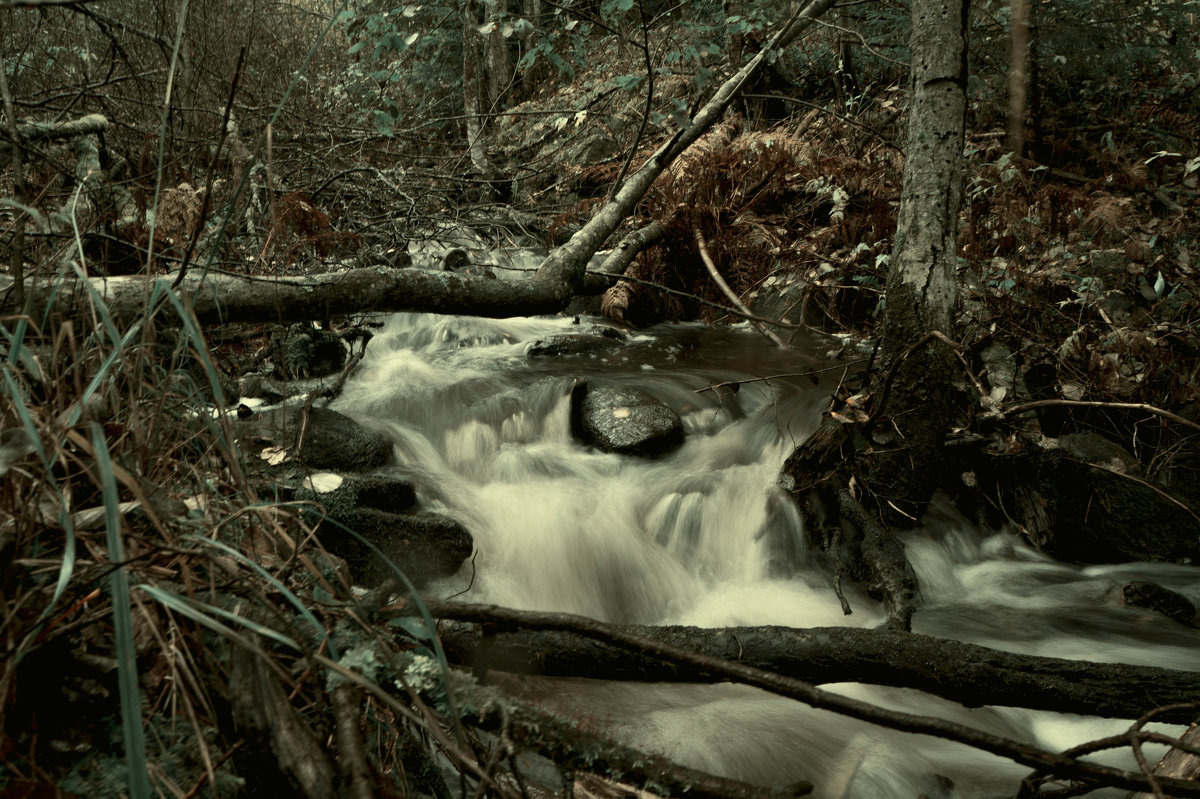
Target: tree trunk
(1018, 74)
(499, 63)
(965, 673)
(472, 55)
(921, 289)
(230, 298)
(219, 298)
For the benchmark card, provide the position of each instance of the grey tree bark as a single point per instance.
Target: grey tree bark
(921, 288)
(499, 61)
(969, 674)
(473, 89)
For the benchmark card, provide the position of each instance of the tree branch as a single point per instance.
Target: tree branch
(1050, 762)
(969, 674)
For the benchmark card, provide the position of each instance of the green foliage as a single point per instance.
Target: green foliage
(1106, 56)
(406, 62)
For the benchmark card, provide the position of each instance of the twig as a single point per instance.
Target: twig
(212, 171)
(1124, 406)
(637, 140)
(1147, 484)
(162, 131)
(715, 386)
(706, 257)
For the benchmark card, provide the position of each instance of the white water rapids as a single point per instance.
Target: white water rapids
(701, 537)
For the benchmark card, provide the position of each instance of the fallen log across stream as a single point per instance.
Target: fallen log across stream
(969, 674)
(627, 639)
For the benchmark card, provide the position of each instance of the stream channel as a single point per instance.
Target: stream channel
(701, 536)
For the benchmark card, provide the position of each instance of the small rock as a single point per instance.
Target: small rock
(597, 339)
(627, 421)
(1153, 596)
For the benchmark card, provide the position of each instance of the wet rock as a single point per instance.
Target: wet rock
(455, 259)
(331, 440)
(597, 338)
(1092, 509)
(342, 494)
(335, 441)
(627, 421)
(424, 546)
(1153, 596)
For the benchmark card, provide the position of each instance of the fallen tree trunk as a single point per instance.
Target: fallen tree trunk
(568, 262)
(37, 132)
(222, 297)
(233, 298)
(965, 673)
(1059, 765)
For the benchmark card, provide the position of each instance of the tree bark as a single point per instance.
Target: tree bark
(921, 288)
(568, 262)
(472, 55)
(499, 62)
(1018, 74)
(219, 298)
(573, 745)
(228, 298)
(965, 673)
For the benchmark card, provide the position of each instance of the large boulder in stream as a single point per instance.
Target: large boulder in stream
(377, 507)
(627, 421)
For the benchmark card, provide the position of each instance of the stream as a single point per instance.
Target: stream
(701, 536)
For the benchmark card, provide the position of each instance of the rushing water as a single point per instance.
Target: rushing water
(702, 537)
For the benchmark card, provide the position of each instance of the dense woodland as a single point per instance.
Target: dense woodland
(999, 196)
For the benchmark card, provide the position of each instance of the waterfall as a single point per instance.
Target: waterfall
(702, 537)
